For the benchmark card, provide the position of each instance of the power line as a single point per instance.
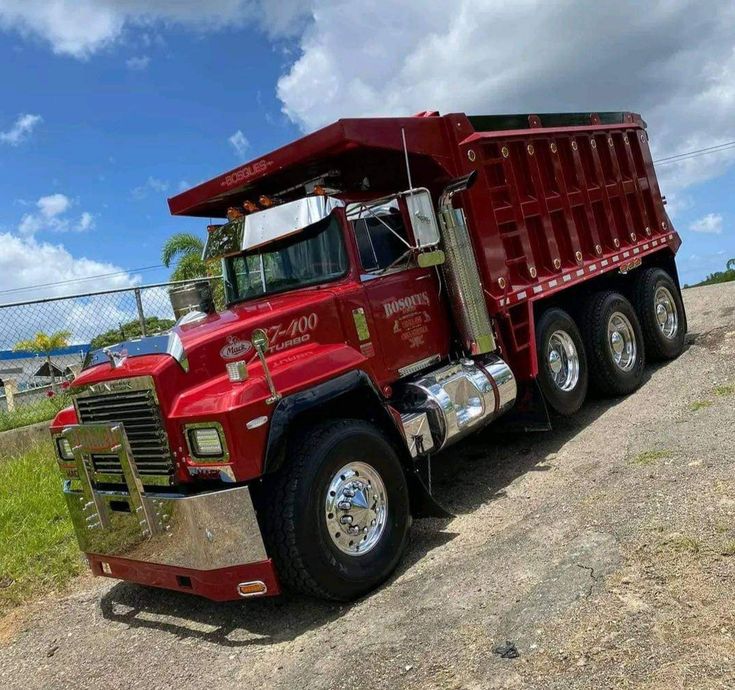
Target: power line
(675, 158)
(81, 280)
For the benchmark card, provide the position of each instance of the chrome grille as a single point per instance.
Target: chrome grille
(140, 416)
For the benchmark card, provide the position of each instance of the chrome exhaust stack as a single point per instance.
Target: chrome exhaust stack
(462, 275)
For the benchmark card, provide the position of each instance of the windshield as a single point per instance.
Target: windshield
(315, 255)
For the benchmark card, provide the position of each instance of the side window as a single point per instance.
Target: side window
(379, 240)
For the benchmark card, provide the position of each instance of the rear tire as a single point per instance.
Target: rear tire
(562, 362)
(661, 312)
(614, 344)
(305, 522)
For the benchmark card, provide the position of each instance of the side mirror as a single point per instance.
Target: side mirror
(423, 219)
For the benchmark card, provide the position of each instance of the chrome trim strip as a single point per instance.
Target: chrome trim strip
(418, 366)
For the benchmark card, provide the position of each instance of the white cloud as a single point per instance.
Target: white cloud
(710, 224)
(673, 62)
(53, 205)
(239, 143)
(138, 62)
(26, 262)
(21, 129)
(152, 184)
(52, 215)
(80, 28)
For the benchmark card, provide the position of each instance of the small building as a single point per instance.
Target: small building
(33, 375)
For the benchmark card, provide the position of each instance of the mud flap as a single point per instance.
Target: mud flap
(423, 503)
(529, 413)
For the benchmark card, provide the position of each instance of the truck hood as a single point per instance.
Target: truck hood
(205, 347)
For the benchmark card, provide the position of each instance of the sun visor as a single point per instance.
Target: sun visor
(267, 226)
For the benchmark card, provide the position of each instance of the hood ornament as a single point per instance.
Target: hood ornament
(117, 357)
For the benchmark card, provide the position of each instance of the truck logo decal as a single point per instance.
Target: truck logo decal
(404, 304)
(246, 172)
(235, 348)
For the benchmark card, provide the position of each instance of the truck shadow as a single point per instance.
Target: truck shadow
(466, 476)
(238, 623)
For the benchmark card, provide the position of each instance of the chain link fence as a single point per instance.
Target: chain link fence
(43, 343)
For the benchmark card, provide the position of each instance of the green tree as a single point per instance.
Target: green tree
(731, 264)
(184, 251)
(43, 342)
(126, 331)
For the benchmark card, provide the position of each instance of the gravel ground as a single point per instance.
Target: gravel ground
(604, 550)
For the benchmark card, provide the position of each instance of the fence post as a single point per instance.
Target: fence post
(11, 388)
(141, 315)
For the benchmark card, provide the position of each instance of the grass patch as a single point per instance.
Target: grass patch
(725, 390)
(699, 405)
(681, 543)
(40, 411)
(650, 456)
(729, 549)
(38, 549)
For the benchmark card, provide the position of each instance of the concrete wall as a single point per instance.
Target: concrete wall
(20, 441)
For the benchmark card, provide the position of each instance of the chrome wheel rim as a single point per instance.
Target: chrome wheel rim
(667, 317)
(563, 360)
(356, 508)
(621, 339)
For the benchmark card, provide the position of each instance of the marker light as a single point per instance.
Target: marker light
(237, 372)
(265, 201)
(251, 589)
(250, 206)
(205, 442)
(233, 213)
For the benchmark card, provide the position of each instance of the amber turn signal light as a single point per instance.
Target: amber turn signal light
(251, 589)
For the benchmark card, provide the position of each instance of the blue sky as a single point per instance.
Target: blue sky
(123, 107)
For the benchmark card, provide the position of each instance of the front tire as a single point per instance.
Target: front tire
(661, 312)
(337, 516)
(562, 363)
(614, 344)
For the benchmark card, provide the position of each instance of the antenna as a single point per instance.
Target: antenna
(405, 153)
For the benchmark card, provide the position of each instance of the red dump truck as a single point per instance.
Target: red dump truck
(391, 285)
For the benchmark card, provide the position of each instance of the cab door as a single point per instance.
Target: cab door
(407, 311)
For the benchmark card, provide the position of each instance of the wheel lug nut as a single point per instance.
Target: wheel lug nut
(346, 520)
(344, 505)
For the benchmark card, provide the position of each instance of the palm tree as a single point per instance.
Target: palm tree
(42, 342)
(185, 250)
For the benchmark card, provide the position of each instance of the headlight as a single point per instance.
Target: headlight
(206, 442)
(63, 448)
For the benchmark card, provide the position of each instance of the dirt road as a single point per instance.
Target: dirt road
(605, 550)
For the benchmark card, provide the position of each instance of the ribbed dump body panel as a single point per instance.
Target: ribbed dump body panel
(139, 414)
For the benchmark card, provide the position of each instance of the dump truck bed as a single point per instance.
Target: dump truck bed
(560, 198)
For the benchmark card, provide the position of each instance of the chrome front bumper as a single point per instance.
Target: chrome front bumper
(206, 531)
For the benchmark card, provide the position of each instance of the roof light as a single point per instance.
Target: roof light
(265, 201)
(234, 213)
(250, 206)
